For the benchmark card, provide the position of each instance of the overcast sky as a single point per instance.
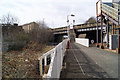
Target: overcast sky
(54, 12)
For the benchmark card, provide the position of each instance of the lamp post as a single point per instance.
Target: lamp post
(68, 24)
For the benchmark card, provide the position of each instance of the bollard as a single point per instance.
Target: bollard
(68, 45)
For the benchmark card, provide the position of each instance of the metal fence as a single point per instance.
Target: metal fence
(50, 63)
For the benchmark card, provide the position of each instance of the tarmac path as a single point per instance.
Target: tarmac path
(83, 62)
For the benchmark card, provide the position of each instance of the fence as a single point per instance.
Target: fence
(50, 63)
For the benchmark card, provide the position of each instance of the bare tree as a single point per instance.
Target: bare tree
(91, 20)
(41, 34)
(9, 19)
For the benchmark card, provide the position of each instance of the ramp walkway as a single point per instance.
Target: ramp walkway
(83, 62)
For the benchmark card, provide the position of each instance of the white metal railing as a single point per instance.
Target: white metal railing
(56, 59)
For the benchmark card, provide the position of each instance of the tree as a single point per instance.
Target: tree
(9, 19)
(41, 33)
(91, 20)
(9, 30)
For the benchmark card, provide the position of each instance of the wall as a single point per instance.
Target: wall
(113, 42)
(30, 26)
(82, 41)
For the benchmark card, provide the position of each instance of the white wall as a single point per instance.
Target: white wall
(82, 41)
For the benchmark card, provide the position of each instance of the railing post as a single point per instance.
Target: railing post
(45, 60)
(40, 67)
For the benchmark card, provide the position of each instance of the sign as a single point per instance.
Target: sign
(92, 41)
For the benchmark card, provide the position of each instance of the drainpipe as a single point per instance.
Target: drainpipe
(101, 32)
(107, 33)
(118, 39)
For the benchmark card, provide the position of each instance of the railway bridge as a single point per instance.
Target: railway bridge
(82, 30)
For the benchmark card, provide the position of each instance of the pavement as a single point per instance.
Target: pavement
(92, 62)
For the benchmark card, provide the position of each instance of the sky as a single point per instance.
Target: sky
(53, 12)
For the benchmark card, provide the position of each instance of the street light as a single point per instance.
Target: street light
(68, 24)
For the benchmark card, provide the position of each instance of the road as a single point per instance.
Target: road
(83, 62)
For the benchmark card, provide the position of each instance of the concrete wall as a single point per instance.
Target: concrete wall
(82, 41)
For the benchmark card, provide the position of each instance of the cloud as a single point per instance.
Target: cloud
(53, 11)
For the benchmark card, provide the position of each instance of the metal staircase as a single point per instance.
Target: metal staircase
(112, 10)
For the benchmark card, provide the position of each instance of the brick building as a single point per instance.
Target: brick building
(29, 26)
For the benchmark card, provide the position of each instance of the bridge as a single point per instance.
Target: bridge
(78, 60)
(79, 28)
(88, 29)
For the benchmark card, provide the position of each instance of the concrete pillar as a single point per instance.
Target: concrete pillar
(97, 33)
(72, 36)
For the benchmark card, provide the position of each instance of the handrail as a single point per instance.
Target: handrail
(56, 61)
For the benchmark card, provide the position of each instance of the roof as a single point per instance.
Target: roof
(29, 23)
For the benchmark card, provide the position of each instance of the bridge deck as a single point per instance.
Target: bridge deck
(83, 62)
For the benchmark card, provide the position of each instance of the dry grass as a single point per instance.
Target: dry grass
(22, 64)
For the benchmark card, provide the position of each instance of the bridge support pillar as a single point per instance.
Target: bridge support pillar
(97, 33)
(72, 36)
(101, 33)
(107, 33)
(113, 25)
